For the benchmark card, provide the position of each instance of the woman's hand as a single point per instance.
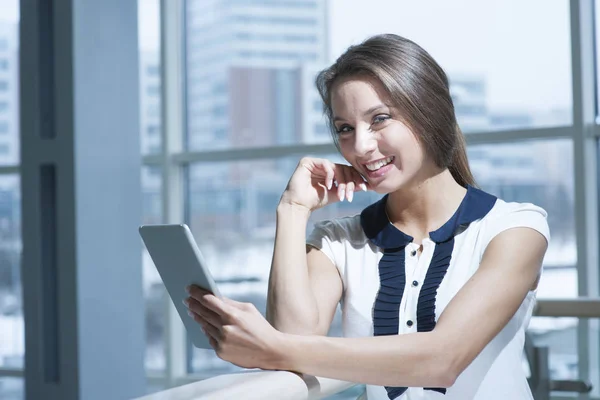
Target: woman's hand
(313, 184)
(237, 331)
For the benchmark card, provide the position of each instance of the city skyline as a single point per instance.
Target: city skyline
(476, 40)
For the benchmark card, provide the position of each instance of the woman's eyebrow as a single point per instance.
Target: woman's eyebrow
(368, 112)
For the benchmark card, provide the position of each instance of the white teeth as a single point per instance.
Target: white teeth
(378, 164)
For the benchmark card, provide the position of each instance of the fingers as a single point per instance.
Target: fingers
(237, 304)
(359, 181)
(330, 174)
(348, 181)
(321, 168)
(217, 311)
(350, 191)
(213, 334)
(342, 180)
(209, 301)
(196, 309)
(329, 168)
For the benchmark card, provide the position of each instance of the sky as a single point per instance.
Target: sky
(9, 10)
(520, 47)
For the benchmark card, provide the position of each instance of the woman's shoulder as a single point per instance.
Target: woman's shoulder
(505, 215)
(504, 209)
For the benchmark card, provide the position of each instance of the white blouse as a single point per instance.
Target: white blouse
(389, 289)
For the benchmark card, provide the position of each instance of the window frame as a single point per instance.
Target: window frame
(584, 133)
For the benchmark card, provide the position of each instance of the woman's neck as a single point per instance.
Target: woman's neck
(425, 206)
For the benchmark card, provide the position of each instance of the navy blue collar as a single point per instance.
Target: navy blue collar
(475, 205)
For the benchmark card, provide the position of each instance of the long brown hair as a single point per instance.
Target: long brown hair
(417, 85)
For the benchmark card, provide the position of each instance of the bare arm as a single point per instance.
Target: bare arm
(304, 286)
(436, 358)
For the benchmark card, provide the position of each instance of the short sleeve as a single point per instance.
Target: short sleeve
(518, 215)
(328, 237)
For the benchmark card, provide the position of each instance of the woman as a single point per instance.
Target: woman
(436, 280)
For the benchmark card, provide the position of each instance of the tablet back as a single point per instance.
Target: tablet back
(179, 263)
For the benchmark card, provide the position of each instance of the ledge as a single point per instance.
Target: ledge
(255, 385)
(579, 307)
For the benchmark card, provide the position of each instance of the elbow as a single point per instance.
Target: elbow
(444, 375)
(305, 324)
(448, 365)
(446, 379)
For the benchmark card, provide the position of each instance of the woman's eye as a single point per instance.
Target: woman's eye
(380, 118)
(344, 129)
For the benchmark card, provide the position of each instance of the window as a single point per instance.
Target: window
(541, 172)
(153, 130)
(150, 79)
(151, 180)
(152, 70)
(153, 110)
(12, 346)
(153, 91)
(12, 388)
(154, 290)
(252, 68)
(249, 94)
(272, 38)
(12, 330)
(490, 91)
(274, 20)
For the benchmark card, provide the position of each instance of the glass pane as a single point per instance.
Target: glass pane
(560, 336)
(541, 172)
(150, 79)
(12, 345)
(499, 56)
(12, 389)
(154, 290)
(251, 64)
(232, 215)
(9, 82)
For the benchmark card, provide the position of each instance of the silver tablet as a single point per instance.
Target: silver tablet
(179, 264)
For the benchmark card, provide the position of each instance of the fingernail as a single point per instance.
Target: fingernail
(188, 288)
(186, 302)
(191, 314)
(342, 193)
(350, 196)
(329, 185)
(363, 186)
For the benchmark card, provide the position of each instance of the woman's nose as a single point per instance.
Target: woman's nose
(364, 142)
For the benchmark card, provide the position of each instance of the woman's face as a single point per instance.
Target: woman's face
(372, 136)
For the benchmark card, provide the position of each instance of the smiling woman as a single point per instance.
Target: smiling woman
(408, 267)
